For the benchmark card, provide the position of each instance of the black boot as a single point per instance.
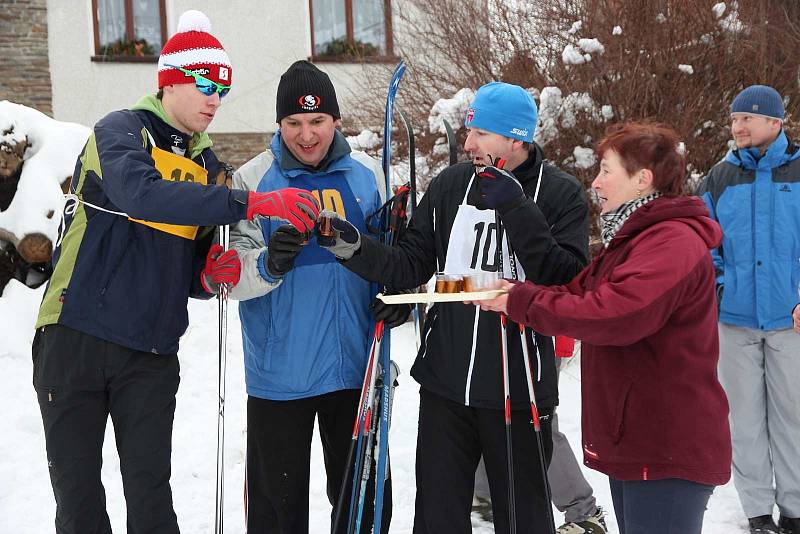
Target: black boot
(789, 525)
(763, 524)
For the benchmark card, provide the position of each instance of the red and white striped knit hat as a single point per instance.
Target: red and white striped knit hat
(195, 49)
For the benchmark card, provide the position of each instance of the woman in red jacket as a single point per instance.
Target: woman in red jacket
(654, 416)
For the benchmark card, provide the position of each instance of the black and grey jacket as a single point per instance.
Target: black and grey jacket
(458, 359)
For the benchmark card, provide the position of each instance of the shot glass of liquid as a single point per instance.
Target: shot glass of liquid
(480, 281)
(449, 283)
(325, 226)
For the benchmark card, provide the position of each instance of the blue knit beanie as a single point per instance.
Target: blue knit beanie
(759, 100)
(504, 109)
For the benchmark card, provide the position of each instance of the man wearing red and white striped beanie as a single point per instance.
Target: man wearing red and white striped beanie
(131, 256)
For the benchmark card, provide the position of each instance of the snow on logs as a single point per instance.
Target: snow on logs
(37, 158)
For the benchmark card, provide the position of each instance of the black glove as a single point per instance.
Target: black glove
(392, 315)
(499, 187)
(346, 240)
(284, 246)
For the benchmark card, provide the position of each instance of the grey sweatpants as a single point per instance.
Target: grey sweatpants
(571, 494)
(760, 371)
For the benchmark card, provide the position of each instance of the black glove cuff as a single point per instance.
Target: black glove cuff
(273, 270)
(512, 204)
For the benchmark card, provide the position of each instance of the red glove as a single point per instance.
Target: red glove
(222, 267)
(297, 206)
(564, 346)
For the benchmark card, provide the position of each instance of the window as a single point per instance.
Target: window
(351, 29)
(128, 30)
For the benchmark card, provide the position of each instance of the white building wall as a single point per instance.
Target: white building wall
(262, 38)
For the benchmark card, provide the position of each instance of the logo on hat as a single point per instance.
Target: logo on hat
(223, 73)
(755, 107)
(520, 131)
(309, 102)
(470, 114)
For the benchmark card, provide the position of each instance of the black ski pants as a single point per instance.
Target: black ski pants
(451, 439)
(80, 380)
(279, 435)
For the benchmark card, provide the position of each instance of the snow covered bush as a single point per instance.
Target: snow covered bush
(592, 63)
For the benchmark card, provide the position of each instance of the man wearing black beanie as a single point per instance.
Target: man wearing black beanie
(306, 320)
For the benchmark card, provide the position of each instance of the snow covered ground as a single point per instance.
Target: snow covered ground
(26, 500)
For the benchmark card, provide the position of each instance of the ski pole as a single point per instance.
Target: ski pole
(222, 310)
(529, 377)
(512, 507)
(537, 427)
(512, 513)
(536, 423)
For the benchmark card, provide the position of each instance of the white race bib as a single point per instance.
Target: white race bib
(472, 247)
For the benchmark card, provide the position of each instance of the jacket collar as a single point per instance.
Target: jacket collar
(780, 152)
(688, 209)
(199, 140)
(529, 169)
(334, 160)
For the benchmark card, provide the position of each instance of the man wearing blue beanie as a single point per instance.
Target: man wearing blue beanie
(544, 218)
(754, 194)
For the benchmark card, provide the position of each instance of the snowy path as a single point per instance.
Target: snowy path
(26, 500)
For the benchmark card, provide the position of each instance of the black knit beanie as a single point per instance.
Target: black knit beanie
(305, 89)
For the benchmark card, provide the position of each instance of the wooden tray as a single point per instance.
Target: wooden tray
(414, 298)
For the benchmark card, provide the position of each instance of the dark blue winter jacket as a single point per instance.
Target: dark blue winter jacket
(123, 280)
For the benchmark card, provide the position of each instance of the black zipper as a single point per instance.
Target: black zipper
(157, 326)
(116, 267)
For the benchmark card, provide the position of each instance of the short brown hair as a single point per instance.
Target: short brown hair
(653, 146)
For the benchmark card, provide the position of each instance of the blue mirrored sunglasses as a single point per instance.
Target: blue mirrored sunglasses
(204, 85)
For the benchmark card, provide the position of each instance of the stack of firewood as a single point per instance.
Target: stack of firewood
(10, 170)
(26, 259)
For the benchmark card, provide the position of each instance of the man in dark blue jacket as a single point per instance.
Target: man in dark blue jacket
(754, 194)
(108, 327)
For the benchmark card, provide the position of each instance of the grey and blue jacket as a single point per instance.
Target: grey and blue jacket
(309, 332)
(756, 200)
(121, 280)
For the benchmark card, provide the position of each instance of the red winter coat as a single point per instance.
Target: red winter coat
(646, 312)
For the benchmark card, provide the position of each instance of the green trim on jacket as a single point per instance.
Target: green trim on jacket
(52, 303)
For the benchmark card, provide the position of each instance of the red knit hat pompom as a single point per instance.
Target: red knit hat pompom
(195, 49)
